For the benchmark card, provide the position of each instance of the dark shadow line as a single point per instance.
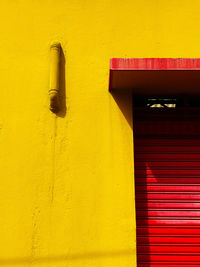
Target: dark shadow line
(124, 102)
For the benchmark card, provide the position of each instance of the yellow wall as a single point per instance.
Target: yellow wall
(66, 187)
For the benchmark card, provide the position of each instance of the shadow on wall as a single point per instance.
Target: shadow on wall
(72, 257)
(124, 102)
(62, 93)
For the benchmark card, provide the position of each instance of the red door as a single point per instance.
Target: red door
(167, 178)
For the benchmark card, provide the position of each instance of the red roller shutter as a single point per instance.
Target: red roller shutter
(167, 179)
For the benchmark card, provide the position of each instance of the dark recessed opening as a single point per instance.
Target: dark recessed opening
(166, 102)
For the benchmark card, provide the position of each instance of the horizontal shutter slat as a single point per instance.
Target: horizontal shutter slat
(162, 231)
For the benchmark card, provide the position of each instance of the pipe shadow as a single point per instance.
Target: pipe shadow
(62, 90)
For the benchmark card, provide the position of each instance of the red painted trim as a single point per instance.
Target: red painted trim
(155, 64)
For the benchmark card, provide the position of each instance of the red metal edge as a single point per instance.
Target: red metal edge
(154, 64)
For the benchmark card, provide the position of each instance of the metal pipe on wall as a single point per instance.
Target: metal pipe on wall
(54, 76)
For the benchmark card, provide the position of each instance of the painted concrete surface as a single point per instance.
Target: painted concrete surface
(66, 187)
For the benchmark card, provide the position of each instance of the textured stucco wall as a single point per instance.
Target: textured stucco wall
(66, 186)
